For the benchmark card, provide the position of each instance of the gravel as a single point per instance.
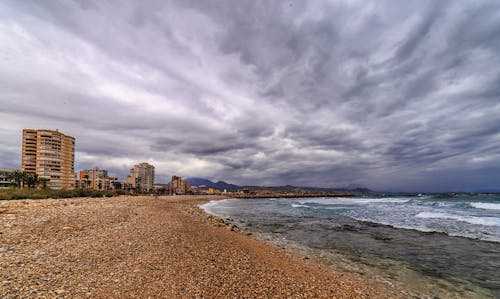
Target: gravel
(146, 247)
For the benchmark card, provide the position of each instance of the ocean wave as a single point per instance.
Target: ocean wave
(294, 205)
(207, 207)
(471, 235)
(487, 221)
(434, 203)
(396, 225)
(351, 201)
(485, 206)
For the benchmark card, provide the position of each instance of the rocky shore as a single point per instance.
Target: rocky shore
(147, 247)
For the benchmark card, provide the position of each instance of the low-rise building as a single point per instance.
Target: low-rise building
(113, 183)
(213, 191)
(97, 179)
(5, 181)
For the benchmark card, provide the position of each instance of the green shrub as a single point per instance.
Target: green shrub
(32, 193)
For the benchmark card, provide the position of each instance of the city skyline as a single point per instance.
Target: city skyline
(391, 96)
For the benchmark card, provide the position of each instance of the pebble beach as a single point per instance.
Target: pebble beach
(152, 247)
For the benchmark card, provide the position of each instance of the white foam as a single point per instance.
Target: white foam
(421, 228)
(487, 221)
(207, 207)
(485, 206)
(352, 200)
(298, 206)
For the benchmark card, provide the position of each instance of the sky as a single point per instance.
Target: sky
(391, 95)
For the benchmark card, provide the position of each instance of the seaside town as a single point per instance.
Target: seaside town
(48, 162)
(48, 159)
(146, 247)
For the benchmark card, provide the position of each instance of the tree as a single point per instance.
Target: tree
(10, 177)
(24, 178)
(31, 179)
(86, 182)
(18, 177)
(43, 182)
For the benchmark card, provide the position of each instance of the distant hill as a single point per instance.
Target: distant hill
(314, 190)
(221, 185)
(199, 182)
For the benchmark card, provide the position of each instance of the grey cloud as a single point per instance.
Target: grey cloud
(413, 42)
(201, 147)
(394, 96)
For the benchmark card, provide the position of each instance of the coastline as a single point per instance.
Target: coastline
(387, 266)
(152, 247)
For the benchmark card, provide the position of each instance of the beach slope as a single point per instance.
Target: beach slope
(139, 247)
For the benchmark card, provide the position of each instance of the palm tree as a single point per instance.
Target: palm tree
(24, 178)
(10, 177)
(31, 179)
(86, 182)
(18, 177)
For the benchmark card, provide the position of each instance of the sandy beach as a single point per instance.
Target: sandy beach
(146, 247)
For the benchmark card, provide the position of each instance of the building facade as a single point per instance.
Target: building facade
(96, 179)
(179, 186)
(141, 177)
(51, 155)
(5, 181)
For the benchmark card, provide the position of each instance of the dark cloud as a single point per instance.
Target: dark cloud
(392, 96)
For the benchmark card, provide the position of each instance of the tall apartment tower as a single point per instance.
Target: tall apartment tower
(142, 177)
(51, 155)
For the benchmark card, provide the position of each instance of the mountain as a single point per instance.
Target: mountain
(199, 182)
(353, 186)
(221, 185)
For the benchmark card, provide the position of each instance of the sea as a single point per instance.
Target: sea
(450, 243)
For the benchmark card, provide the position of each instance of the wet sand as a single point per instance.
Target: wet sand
(139, 247)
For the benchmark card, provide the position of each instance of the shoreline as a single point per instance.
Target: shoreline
(293, 195)
(408, 277)
(152, 247)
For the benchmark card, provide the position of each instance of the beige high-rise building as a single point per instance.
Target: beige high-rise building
(51, 155)
(141, 177)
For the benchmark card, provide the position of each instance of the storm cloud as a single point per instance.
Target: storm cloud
(384, 94)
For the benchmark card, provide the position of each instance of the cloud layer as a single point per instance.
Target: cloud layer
(393, 96)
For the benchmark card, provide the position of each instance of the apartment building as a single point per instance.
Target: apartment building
(51, 155)
(141, 177)
(96, 179)
(179, 186)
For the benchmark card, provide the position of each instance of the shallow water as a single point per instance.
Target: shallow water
(455, 238)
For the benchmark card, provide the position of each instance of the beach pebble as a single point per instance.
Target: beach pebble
(142, 248)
